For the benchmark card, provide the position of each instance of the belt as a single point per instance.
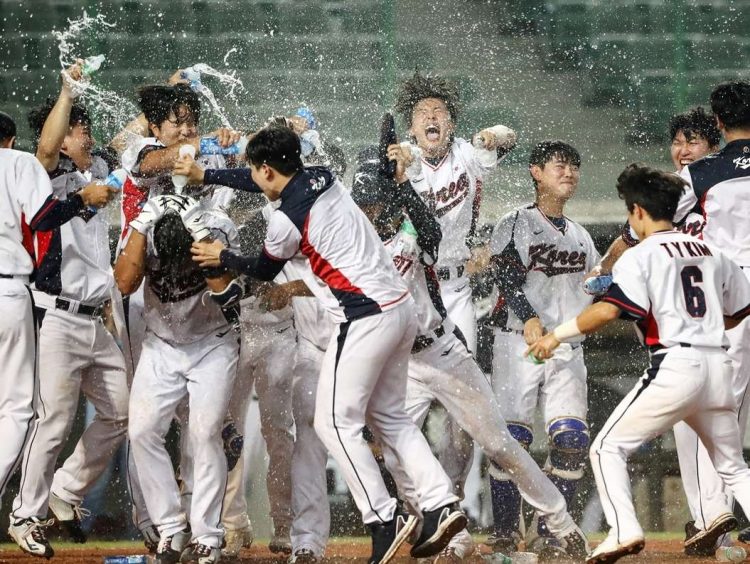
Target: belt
(507, 330)
(21, 277)
(421, 342)
(72, 306)
(448, 272)
(658, 348)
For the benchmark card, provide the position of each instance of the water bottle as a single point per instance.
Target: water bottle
(305, 112)
(132, 559)
(731, 554)
(180, 180)
(211, 146)
(92, 64)
(597, 285)
(531, 357)
(309, 142)
(115, 180)
(193, 76)
(497, 558)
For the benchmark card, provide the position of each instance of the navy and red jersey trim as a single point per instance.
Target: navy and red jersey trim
(744, 312)
(628, 308)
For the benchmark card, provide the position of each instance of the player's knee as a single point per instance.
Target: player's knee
(521, 433)
(569, 445)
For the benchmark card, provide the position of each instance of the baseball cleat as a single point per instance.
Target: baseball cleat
(69, 516)
(575, 543)
(171, 547)
(503, 544)
(237, 539)
(703, 542)
(303, 556)
(438, 528)
(29, 535)
(280, 542)
(548, 549)
(201, 553)
(150, 538)
(388, 537)
(744, 535)
(461, 546)
(610, 550)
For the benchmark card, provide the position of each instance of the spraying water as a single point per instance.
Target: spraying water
(225, 79)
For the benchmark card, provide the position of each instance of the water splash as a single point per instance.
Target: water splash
(110, 110)
(227, 79)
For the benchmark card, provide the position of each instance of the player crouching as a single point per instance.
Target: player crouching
(682, 293)
(189, 354)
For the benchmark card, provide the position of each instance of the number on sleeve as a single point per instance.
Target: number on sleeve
(695, 299)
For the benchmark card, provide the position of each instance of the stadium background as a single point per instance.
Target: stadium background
(602, 75)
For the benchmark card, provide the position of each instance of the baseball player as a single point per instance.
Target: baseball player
(26, 192)
(682, 292)
(190, 351)
(539, 259)
(354, 277)
(77, 352)
(441, 367)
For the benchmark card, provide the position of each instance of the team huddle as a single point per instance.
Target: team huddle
(243, 262)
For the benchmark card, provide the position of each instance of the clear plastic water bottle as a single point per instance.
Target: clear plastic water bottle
(731, 554)
(305, 112)
(597, 285)
(309, 142)
(92, 64)
(497, 558)
(193, 76)
(211, 146)
(180, 180)
(131, 559)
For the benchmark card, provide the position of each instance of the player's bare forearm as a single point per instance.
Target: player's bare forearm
(138, 127)
(219, 283)
(131, 264)
(278, 296)
(53, 133)
(596, 316)
(163, 160)
(612, 255)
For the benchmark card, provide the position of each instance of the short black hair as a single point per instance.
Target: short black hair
(157, 101)
(79, 115)
(695, 122)
(172, 243)
(730, 102)
(278, 147)
(656, 191)
(7, 127)
(419, 87)
(545, 151)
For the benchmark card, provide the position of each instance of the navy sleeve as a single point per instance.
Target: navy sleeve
(55, 213)
(629, 310)
(510, 275)
(262, 267)
(237, 178)
(428, 229)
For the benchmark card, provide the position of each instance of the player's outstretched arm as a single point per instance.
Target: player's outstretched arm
(131, 264)
(278, 296)
(237, 178)
(591, 319)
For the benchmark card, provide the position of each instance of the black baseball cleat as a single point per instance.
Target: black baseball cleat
(438, 528)
(388, 537)
(69, 516)
(744, 535)
(170, 548)
(703, 542)
(576, 544)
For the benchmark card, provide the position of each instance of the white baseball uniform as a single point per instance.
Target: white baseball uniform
(24, 190)
(189, 351)
(678, 289)
(354, 278)
(442, 369)
(76, 352)
(452, 190)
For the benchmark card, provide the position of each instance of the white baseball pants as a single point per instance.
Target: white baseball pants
(690, 384)
(18, 385)
(267, 361)
(707, 497)
(76, 353)
(310, 507)
(363, 381)
(456, 295)
(447, 372)
(204, 372)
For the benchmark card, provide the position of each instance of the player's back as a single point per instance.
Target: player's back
(679, 289)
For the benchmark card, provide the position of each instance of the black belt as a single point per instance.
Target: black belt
(90, 311)
(656, 348)
(423, 341)
(444, 273)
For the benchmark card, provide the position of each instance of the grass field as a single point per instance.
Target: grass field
(660, 547)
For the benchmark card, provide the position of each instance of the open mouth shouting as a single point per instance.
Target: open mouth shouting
(432, 133)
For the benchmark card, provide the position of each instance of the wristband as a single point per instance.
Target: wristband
(567, 331)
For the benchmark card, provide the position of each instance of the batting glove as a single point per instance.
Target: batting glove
(191, 214)
(152, 211)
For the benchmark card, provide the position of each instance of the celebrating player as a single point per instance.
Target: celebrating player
(355, 278)
(190, 352)
(682, 292)
(77, 352)
(539, 259)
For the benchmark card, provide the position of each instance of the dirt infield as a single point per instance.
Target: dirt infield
(656, 551)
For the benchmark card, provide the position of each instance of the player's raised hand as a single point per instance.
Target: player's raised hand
(543, 348)
(533, 330)
(70, 78)
(497, 137)
(97, 195)
(226, 136)
(186, 166)
(403, 157)
(207, 254)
